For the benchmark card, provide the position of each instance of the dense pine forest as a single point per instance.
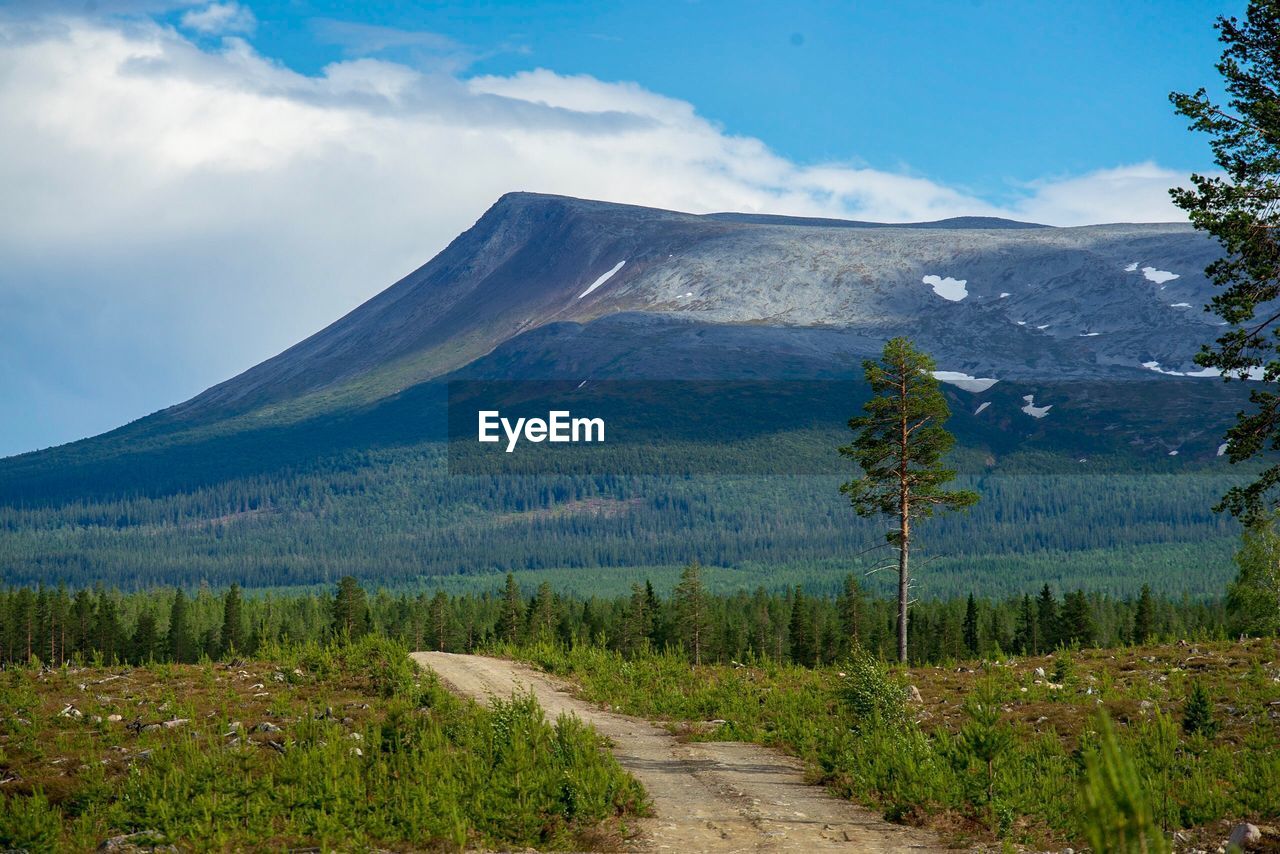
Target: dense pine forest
(398, 518)
(55, 625)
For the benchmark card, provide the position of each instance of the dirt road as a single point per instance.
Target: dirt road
(713, 797)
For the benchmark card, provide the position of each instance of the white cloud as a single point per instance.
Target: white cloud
(220, 18)
(1136, 193)
(228, 206)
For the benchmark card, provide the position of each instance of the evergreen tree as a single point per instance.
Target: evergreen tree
(25, 625)
(971, 625)
(439, 616)
(146, 638)
(849, 606)
(592, 621)
(1197, 713)
(41, 630)
(233, 637)
(511, 612)
(62, 616)
(1076, 619)
(1241, 209)
(637, 621)
(181, 640)
(1143, 616)
(1000, 631)
(542, 616)
(653, 610)
(801, 631)
(81, 622)
(108, 634)
(899, 445)
(210, 643)
(350, 608)
(692, 612)
(1047, 620)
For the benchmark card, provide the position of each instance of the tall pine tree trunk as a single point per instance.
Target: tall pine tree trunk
(904, 585)
(904, 521)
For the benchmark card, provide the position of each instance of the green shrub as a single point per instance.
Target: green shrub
(1115, 810)
(1197, 713)
(869, 693)
(984, 739)
(29, 823)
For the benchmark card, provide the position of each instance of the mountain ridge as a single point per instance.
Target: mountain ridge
(531, 259)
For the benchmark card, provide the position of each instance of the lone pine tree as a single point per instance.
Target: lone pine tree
(899, 445)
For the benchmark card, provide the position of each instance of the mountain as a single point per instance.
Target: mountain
(1047, 303)
(1067, 344)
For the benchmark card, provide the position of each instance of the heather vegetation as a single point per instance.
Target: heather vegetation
(1121, 750)
(343, 745)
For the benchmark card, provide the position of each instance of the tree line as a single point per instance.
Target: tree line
(57, 625)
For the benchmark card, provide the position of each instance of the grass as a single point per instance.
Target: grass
(344, 747)
(994, 750)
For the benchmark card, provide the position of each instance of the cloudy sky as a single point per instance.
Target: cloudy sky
(187, 189)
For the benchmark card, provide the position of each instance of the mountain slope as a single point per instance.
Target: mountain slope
(1071, 306)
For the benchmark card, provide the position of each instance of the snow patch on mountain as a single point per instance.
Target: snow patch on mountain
(947, 287)
(1204, 373)
(1158, 276)
(1222, 449)
(1033, 410)
(981, 407)
(1132, 268)
(1179, 305)
(964, 381)
(600, 281)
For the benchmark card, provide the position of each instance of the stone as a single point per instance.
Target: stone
(143, 840)
(913, 694)
(1244, 834)
(266, 726)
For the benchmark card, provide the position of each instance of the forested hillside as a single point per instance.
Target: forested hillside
(398, 518)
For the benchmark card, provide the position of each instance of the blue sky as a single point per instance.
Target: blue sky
(192, 187)
(984, 95)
